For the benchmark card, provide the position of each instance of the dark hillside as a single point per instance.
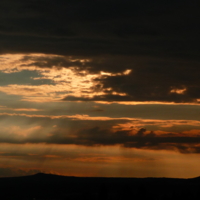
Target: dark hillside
(47, 186)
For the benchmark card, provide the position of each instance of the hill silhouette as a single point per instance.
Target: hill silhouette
(54, 187)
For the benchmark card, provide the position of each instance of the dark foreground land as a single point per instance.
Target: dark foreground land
(53, 187)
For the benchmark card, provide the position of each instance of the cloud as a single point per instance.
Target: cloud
(120, 123)
(65, 75)
(79, 131)
(103, 27)
(20, 109)
(130, 139)
(101, 78)
(154, 80)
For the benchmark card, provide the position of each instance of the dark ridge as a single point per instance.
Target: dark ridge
(196, 178)
(55, 187)
(43, 175)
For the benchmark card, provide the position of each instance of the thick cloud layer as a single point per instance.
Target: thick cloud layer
(100, 27)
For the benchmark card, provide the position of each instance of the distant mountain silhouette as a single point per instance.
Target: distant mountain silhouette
(43, 174)
(48, 175)
(54, 187)
(196, 178)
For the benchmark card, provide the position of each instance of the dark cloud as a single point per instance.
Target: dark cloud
(151, 79)
(100, 27)
(142, 139)
(104, 136)
(98, 98)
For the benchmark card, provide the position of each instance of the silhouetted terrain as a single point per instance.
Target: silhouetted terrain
(53, 187)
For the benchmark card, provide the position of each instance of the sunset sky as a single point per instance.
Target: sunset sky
(100, 88)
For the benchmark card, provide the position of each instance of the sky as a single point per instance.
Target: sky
(104, 88)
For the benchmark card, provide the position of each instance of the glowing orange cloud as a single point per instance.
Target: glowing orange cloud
(66, 80)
